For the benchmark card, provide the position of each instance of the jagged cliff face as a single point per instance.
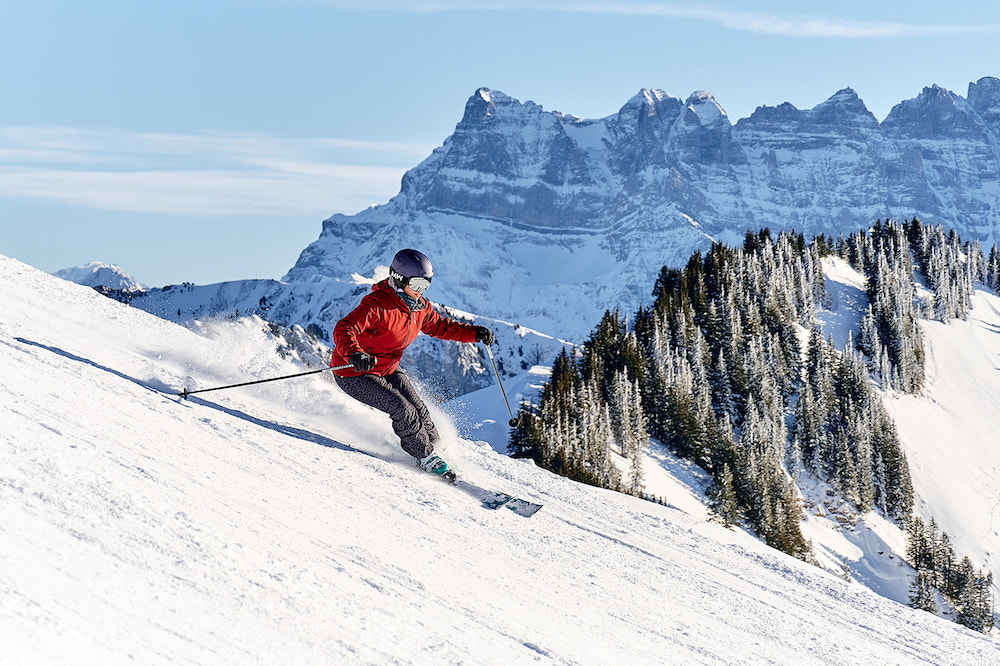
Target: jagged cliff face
(831, 168)
(516, 162)
(816, 171)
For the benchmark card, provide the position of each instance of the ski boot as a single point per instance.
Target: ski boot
(436, 465)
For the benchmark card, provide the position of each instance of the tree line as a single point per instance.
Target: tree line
(729, 368)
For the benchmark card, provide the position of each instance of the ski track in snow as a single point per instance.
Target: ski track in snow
(281, 524)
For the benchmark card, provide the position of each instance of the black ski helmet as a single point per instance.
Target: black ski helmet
(408, 264)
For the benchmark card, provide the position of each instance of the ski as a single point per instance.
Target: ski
(490, 498)
(493, 500)
(517, 505)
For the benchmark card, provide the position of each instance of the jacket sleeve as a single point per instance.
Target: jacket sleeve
(437, 326)
(347, 330)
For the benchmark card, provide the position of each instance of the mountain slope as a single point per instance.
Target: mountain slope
(281, 523)
(949, 431)
(955, 450)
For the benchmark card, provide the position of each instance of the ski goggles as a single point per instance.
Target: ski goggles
(418, 284)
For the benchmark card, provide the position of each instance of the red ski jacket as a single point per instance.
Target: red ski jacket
(383, 325)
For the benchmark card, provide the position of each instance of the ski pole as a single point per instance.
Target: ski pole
(185, 393)
(513, 422)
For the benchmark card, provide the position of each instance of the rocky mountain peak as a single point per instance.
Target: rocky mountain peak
(479, 107)
(984, 97)
(702, 105)
(768, 118)
(935, 113)
(646, 109)
(844, 107)
(485, 105)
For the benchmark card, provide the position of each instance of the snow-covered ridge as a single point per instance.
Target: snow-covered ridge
(948, 432)
(100, 274)
(281, 523)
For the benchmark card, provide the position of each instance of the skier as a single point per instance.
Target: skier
(372, 339)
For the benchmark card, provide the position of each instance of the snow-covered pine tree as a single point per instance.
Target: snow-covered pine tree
(722, 497)
(922, 592)
(993, 270)
(639, 434)
(976, 603)
(867, 340)
(891, 482)
(931, 555)
(808, 432)
(526, 437)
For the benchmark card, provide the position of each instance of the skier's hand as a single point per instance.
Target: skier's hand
(362, 362)
(484, 335)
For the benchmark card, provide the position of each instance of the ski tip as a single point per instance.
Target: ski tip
(529, 511)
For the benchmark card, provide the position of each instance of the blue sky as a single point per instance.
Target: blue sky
(206, 140)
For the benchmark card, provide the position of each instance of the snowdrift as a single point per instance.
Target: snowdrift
(281, 524)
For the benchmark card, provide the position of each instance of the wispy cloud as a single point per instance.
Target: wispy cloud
(201, 173)
(792, 26)
(801, 26)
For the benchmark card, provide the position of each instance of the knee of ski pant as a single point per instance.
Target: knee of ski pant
(417, 444)
(405, 420)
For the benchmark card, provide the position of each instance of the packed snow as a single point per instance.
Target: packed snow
(280, 523)
(955, 431)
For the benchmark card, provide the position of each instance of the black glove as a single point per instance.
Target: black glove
(484, 335)
(362, 362)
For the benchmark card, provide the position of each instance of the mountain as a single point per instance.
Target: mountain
(540, 221)
(280, 523)
(532, 213)
(98, 274)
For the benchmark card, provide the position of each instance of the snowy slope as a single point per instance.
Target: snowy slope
(280, 524)
(952, 434)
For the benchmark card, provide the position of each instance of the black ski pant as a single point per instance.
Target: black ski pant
(395, 395)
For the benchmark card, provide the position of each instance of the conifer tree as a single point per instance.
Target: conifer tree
(993, 270)
(722, 496)
(640, 437)
(922, 592)
(526, 436)
(931, 554)
(808, 432)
